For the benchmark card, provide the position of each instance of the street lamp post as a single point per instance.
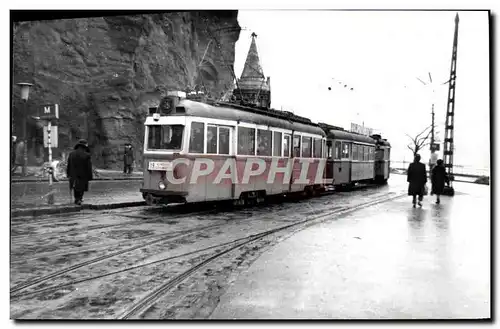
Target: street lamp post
(25, 91)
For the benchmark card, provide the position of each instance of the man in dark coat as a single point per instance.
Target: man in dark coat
(79, 170)
(128, 159)
(438, 179)
(417, 177)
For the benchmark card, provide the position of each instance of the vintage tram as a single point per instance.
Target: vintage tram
(198, 151)
(354, 158)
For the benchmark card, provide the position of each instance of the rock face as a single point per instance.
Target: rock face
(105, 73)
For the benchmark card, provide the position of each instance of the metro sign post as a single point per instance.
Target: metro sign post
(49, 113)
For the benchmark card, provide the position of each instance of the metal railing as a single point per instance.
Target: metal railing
(457, 169)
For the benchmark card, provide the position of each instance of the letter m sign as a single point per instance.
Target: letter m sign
(50, 112)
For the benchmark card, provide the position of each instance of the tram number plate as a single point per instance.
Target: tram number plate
(164, 166)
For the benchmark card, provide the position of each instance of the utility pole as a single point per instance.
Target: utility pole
(432, 131)
(433, 159)
(450, 113)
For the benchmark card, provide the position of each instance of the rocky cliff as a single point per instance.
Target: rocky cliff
(105, 72)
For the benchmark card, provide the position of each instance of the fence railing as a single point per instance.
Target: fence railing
(457, 169)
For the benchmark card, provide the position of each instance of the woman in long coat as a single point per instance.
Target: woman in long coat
(417, 177)
(438, 179)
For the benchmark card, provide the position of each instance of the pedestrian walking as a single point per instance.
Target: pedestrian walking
(128, 159)
(438, 179)
(417, 177)
(79, 170)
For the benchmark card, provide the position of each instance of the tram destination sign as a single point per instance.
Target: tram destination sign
(161, 166)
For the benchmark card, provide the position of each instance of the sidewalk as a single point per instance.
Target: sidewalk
(388, 261)
(34, 175)
(30, 199)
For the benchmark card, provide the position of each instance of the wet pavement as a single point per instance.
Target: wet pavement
(100, 192)
(388, 261)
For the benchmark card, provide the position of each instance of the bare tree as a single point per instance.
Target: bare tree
(420, 141)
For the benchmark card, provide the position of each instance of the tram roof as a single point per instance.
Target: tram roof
(345, 135)
(380, 141)
(384, 143)
(271, 118)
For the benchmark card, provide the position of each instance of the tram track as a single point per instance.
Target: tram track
(144, 220)
(164, 237)
(143, 304)
(150, 299)
(247, 213)
(72, 251)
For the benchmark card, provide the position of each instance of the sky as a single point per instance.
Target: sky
(380, 54)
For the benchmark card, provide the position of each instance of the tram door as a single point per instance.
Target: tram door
(296, 166)
(329, 163)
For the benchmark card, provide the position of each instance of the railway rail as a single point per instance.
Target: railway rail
(19, 291)
(145, 302)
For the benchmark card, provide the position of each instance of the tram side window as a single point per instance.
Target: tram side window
(246, 141)
(338, 149)
(317, 147)
(345, 151)
(354, 152)
(286, 146)
(212, 139)
(224, 140)
(165, 137)
(296, 146)
(278, 144)
(365, 153)
(264, 142)
(371, 154)
(197, 137)
(306, 147)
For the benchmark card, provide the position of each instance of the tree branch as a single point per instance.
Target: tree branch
(422, 140)
(410, 137)
(423, 131)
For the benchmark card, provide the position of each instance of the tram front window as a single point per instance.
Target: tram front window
(166, 137)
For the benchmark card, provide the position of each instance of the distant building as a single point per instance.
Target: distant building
(253, 87)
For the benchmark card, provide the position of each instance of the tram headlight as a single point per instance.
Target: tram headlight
(161, 185)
